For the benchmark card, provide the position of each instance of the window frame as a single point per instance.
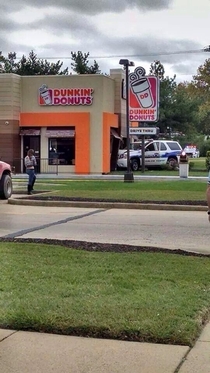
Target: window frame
(57, 160)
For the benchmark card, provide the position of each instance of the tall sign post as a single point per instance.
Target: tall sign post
(128, 176)
(143, 103)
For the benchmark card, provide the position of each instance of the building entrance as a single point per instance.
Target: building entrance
(32, 142)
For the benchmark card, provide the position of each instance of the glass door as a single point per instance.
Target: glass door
(32, 142)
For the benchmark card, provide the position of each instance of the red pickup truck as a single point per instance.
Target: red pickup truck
(5, 180)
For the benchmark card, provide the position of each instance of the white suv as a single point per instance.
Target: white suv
(157, 153)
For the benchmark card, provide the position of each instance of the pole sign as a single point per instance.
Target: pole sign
(143, 96)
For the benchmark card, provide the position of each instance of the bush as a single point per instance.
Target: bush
(208, 160)
(191, 165)
(204, 148)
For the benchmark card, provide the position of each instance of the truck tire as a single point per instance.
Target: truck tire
(172, 163)
(5, 187)
(135, 164)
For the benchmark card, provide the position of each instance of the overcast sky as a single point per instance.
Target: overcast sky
(140, 29)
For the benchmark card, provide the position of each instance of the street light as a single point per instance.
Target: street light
(128, 176)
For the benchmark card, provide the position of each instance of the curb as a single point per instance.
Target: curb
(106, 205)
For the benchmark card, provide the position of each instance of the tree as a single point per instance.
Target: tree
(167, 89)
(185, 110)
(204, 117)
(157, 69)
(2, 62)
(200, 89)
(30, 65)
(178, 106)
(202, 79)
(80, 64)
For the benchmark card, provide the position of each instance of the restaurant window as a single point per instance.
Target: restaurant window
(61, 151)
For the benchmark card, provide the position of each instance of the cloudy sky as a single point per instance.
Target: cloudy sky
(143, 30)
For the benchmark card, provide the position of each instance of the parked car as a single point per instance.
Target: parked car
(157, 153)
(136, 145)
(192, 151)
(5, 180)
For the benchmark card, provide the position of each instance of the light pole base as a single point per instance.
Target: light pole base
(128, 177)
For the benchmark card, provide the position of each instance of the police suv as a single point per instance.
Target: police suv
(157, 153)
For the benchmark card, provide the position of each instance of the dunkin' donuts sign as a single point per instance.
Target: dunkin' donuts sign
(143, 96)
(65, 96)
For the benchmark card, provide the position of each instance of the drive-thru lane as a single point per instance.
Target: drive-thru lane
(15, 221)
(186, 230)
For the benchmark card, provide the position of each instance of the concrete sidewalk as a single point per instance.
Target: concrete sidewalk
(27, 352)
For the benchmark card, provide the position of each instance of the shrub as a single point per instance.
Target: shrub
(208, 160)
(191, 165)
(204, 148)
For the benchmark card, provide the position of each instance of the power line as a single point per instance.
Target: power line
(192, 51)
(152, 54)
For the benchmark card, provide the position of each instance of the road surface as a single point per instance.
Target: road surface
(185, 230)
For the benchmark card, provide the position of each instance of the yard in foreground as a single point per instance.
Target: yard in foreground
(143, 190)
(140, 296)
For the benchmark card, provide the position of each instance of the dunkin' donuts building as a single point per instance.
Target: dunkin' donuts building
(74, 123)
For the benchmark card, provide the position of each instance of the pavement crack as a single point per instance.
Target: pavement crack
(183, 360)
(63, 221)
(7, 336)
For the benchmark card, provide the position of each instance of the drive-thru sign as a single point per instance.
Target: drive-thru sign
(143, 96)
(143, 131)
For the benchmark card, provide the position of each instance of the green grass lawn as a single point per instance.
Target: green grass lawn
(154, 297)
(159, 190)
(196, 171)
(197, 167)
(201, 161)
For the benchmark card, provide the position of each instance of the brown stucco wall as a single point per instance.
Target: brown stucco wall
(9, 141)
(10, 98)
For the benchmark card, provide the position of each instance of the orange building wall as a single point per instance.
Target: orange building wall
(81, 122)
